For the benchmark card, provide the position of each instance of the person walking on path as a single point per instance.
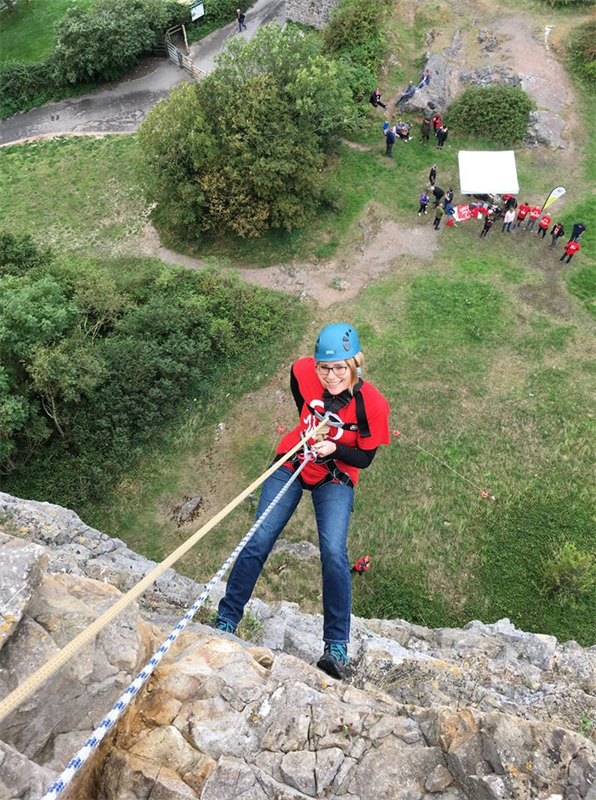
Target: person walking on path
(240, 17)
(508, 220)
(488, 223)
(375, 99)
(390, 136)
(577, 231)
(556, 232)
(544, 225)
(432, 175)
(439, 211)
(535, 212)
(442, 135)
(522, 213)
(438, 193)
(424, 201)
(571, 248)
(358, 425)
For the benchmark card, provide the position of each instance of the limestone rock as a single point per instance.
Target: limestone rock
(488, 75)
(545, 127)
(188, 510)
(438, 780)
(21, 778)
(21, 568)
(303, 551)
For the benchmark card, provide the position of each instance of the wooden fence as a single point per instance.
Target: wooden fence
(178, 57)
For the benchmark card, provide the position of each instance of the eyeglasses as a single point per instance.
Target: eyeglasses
(340, 370)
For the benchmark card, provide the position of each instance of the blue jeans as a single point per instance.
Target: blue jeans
(333, 504)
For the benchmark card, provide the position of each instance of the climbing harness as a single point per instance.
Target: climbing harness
(33, 682)
(75, 764)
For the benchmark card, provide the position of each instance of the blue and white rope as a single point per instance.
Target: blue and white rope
(123, 702)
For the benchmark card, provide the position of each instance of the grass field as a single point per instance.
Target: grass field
(27, 34)
(486, 355)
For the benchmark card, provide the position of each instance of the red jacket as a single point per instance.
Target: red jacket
(311, 389)
(522, 212)
(535, 212)
(545, 221)
(571, 248)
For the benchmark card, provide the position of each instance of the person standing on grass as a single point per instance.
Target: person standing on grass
(449, 195)
(442, 135)
(439, 211)
(522, 213)
(424, 201)
(488, 223)
(427, 116)
(571, 248)
(577, 231)
(544, 224)
(438, 193)
(432, 175)
(437, 122)
(508, 220)
(556, 232)
(329, 383)
(535, 212)
(390, 136)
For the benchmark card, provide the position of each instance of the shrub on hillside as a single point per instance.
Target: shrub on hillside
(498, 113)
(355, 33)
(581, 52)
(24, 84)
(243, 150)
(98, 357)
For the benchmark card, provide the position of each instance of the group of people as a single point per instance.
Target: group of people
(401, 130)
(410, 91)
(527, 215)
(526, 218)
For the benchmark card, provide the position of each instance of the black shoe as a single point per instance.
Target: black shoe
(335, 661)
(221, 624)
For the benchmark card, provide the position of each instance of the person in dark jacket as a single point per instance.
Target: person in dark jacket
(240, 17)
(488, 223)
(410, 91)
(427, 116)
(390, 136)
(439, 211)
(432, 175)
(375, 99)
(439, 194)
(556, 232)
(578, 229)
(442, 135)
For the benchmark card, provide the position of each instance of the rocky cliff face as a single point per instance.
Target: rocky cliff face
(483, 712)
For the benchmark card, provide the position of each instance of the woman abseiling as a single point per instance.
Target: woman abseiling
(328, 384)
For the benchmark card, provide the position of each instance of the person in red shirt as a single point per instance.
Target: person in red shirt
(522, 213)
(571, 248)
(328, 384)
(535, 212)
(545, 221)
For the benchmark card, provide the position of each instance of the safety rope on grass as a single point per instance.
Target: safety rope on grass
(38, 678)
(75, 764)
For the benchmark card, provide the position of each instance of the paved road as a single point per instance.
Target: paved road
(122, 106)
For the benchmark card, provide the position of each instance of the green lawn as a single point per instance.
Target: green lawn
(27, 34)
(486, 354)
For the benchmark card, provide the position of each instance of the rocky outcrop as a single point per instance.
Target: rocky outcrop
(489, 75)
(545, 127)
(484, 712)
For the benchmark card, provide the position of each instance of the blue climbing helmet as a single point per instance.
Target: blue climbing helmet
(337, 342)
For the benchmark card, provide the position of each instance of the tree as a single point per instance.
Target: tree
(499, 113)
(19, 253)
(244, 149)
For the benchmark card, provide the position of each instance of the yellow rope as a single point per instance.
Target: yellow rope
(40, 676)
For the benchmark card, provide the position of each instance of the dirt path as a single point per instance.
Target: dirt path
(382, 245)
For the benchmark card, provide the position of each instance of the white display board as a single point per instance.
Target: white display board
(488, 172)
(197, 10)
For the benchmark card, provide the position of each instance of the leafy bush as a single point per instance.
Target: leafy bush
(94, 367)
(499, 113)
(569, 574)
(355, 33)
(23, 85)
(581, 52)
(104, 41)
(569, 3)
(243, 150)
